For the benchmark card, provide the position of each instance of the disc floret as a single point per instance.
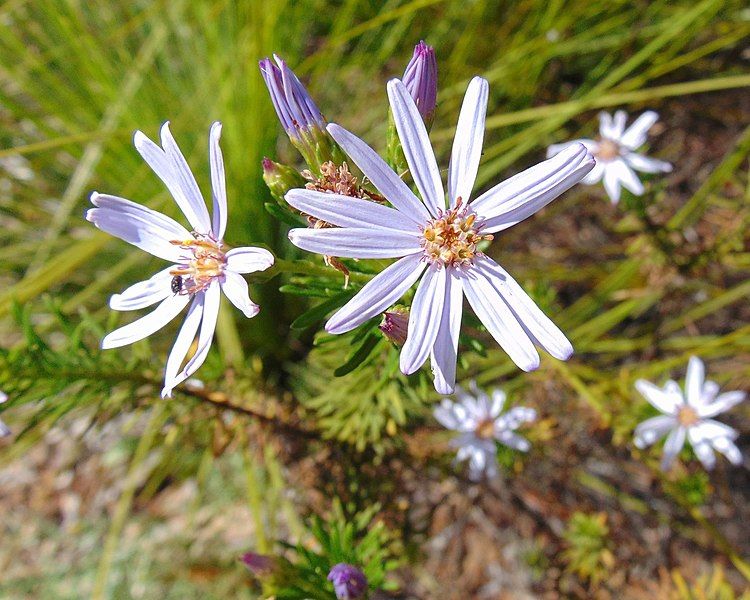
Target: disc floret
(451, 239)
(208, 262)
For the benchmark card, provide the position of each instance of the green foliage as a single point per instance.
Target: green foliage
(588, 553)
(712, 585)
(692, 489)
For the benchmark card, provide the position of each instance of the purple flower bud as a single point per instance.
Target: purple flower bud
(258, 564)
(294, 106)
(420, 78)
(395, 325)
(349, 582)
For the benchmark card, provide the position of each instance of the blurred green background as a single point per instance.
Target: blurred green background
(638, 288)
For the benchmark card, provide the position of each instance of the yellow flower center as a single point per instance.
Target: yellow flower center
(452, 238)
(607, 150)
(687, 417)
(207, 263)
(485, 429)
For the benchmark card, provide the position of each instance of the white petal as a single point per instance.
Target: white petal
(144, 293)
(498, 401)
(445, 351)
(673, 445)
(611, 182)
(424, 320)
(183, 342)
(194, 206)
(728, 449)
(646, 164)
(635, 135)
(446, 415)
(652, 429)
(500, 321)
(531, 318)
(627, 177)
(722, 403)
(345, 211)
(594, 175)
(555, 149)
(518, 415)
(705, 453)
(613, 128)
(662, 400)
(382, 176)
(249, 259)
(234, 287)
(378, 294)
(145, 326)
(709, 392)
(696, 373)
(356, 242)
(467, 143)
(710, 430)
(416, 146)
(524, 194)
(133, 223)
(211, 304)
(218, 182)
(513, 440)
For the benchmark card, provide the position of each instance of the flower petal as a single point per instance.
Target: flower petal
(356, 242)
(728, 449)
(218, 182)
(635, 135)
(673, 445)
(144, 293)
(710, 430)
(235, 288)
(532, 319)
(594, 175)
(161, 164)
(249, 259)
(424, 320)
(627, 177)
(445, 351)
(696, 374)
(145, 326)
(498, 401)
(611, 182)
(416, 146)
(660, 399)
(381, 292)
(531, 190)
(705, 453)
(133, 223)
(722, 403)
(500, 321)
(467, 143)
(183, 342)
(513, 440)
(610, 128)
(652, 429)
(382, 176)
(555, 149)
(345, 211)
(644, 164)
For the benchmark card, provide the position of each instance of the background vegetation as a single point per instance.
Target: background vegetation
(108, 491)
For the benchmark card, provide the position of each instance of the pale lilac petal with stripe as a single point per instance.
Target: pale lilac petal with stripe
(467, 143)
(424, 320)
(249, 259)
(555, 149)
(416, 146)
(140, 226)
(145, 326)
(673, 445)
(235, 289)
(652, 429)
(144, 293)
(218, 182)
(183, 342)
(445, 351)
(345, 211)
(378, 294)
(356, 242)
(382, 176)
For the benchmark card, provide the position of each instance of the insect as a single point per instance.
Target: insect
(177, 284)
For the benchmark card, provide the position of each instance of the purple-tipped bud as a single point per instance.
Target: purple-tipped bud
(280, 178)
(294, 106)
(349, 582)
(395, 325)
(420, 78)
(258, 564)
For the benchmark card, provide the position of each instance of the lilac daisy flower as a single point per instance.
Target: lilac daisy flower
(349, 583)
(615, 153)
(4, 430)
(439, 243)
(420, 78)
(201, 266)
(686, 416)
(481, 422)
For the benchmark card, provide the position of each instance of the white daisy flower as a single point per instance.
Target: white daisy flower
(481, 423)
(615, 153)
(686, 416)
(201, 266)
(439, 243)
(4, 430)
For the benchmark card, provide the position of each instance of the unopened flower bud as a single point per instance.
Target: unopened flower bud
(280, 178)
(349, 582)
(395, 325)
(420, 78)
(259, 565)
